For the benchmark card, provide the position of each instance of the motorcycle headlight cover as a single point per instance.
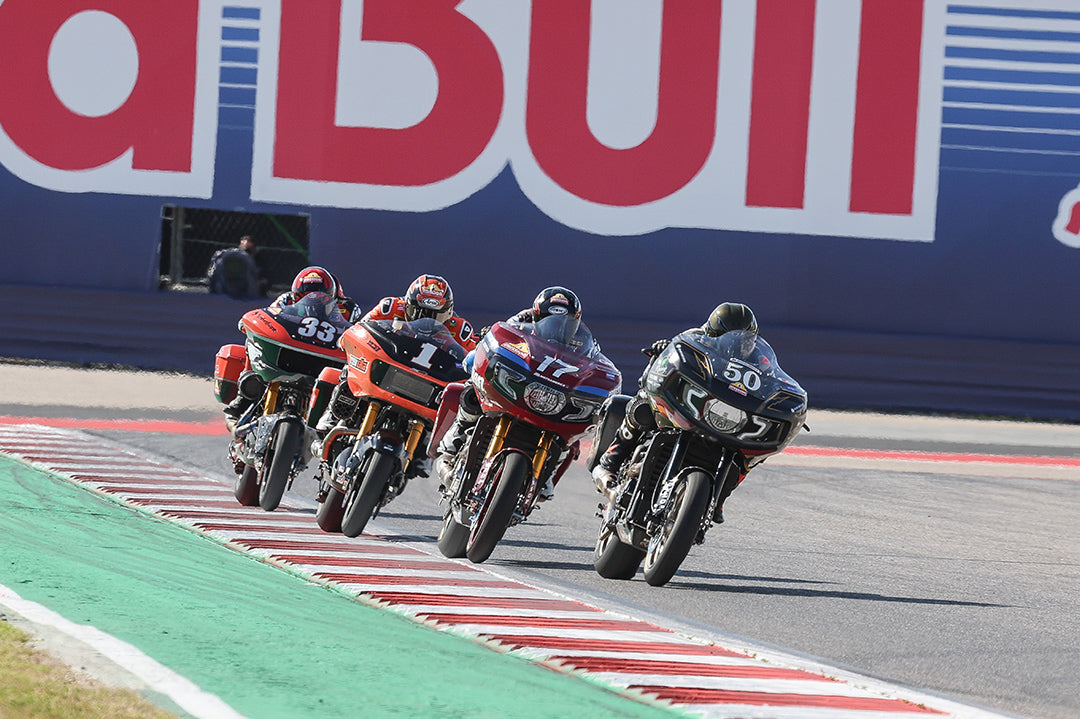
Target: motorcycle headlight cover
(722, 417)
(543, 399)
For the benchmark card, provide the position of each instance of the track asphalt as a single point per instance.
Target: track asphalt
(205, 610)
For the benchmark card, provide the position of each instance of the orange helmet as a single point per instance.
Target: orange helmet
(429, 296)
(314, 279)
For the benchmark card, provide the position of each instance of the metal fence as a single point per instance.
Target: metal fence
(191, 236)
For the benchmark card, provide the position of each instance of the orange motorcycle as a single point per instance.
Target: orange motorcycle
(385, 403)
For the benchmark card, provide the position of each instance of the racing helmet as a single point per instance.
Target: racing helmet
(556, 301)
(429, 296)
(730, 316)
(314, 279)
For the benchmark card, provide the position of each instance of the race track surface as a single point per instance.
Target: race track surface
(933, 554)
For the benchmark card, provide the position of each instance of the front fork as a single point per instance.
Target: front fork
(496, 444)
(727, 470)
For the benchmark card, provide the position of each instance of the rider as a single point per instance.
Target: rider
(640, 418)
(308, 280)
(318, 279)
(427, 296)
(554, 300)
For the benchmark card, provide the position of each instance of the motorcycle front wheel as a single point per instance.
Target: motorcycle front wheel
(453, 537)
(246, 489)
(676, 534)
(366, 492)
(614, 559)
(494, 516)
(330, 511)
(288, 441)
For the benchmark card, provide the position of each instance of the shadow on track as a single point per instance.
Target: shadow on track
(818, 593)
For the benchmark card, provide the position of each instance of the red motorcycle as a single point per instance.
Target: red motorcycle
(285, 351)
(540, 386)
(385, 401)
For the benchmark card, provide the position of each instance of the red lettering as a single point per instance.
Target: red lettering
(309, 146)
(780, 104)
(556, 122)
(886, 107)
(1073, 226)
(157, 119)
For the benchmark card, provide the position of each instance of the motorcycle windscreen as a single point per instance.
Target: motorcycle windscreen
(570, 332)
(426, 330)
(319, 306)
(752, 349)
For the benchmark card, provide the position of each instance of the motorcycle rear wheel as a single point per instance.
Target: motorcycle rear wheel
(361, 501)
(246, 489)
(288, 441)
(613, 558)
(330, 511)
(453, 537)
(494, 516)
(685, 512)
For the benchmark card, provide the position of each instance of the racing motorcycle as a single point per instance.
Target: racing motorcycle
(386, 402)
(285, 350)
(540, 386)
(722, 406)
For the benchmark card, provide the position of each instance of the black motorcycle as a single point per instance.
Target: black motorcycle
(722, 406)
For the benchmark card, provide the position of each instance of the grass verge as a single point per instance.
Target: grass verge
(34, 685)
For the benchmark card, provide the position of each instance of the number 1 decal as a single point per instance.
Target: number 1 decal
(426, 353)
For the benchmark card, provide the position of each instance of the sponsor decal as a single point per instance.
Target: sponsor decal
(521, 349)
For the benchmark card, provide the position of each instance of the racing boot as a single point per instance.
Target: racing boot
(547, 492)
(606, 472)
(452, 442)
(735, 475)
(419, 466)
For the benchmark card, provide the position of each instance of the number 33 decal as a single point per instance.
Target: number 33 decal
(313, 327)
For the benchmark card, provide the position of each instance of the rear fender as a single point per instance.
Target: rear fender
(229, 362)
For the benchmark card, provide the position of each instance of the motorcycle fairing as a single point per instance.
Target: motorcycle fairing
(298, 339)
(737, 373)
(382, 355)
(559, 387)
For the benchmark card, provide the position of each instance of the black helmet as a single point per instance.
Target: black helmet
(730, 316)
(555, 301)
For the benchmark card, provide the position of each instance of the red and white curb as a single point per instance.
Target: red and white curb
(633, 657)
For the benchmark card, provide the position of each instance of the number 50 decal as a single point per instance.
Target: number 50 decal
(737, 372)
